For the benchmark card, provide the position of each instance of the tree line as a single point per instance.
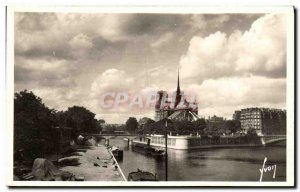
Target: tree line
(185, 127)
(34, 122)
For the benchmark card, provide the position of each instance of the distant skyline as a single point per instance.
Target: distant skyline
(231, 61)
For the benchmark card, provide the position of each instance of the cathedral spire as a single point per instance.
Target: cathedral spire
(178, 94)
(178, 85)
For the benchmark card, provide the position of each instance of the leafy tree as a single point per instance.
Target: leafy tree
(81, 120)
(109, 128)
(101, 121)
(160, 128)
(131, 124)
(183, 127)
(251, 132)
(199, 125)
(221, 127)
(32, 123)
(144, 121)
(232, 125)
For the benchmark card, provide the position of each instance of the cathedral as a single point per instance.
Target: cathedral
(175, 107)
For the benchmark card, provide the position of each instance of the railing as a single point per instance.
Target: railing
(109, 134)
(118, 165)
(269, 139)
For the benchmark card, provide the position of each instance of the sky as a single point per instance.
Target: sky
(229, 61)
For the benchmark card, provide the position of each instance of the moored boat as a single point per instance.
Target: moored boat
(141, 149)
(140, 175)
(118, 153)
(147, 150)
(157, 152)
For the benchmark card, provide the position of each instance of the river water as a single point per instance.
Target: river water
(223, 164)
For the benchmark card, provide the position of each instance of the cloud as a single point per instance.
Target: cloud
(200, 22)
(108, 26)
(224, 95)
(60, 98)
(34, 21)
(73, 58)
(43, 65)
(162, 40)
(155, 24)
(81, 41)
(43, 72)
(260, 51)
(111, 80)
(38, 35)
(120, 80)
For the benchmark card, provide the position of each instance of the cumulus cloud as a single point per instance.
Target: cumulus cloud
(60, 98)
(108, 26)
(73, 58)
(111, 80)
(224, 95)
(260, 51)
(115, 91)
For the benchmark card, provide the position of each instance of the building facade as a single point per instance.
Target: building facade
(264, 121)
(215, 119)
(175, 107)
(237, 116)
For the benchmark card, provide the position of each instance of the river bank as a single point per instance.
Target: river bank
(80, 163)
(97, 164)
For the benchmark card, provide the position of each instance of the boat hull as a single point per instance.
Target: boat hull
(147, 150)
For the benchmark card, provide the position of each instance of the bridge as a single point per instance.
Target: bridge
(107, 137)
(272, 139)
(112, 135)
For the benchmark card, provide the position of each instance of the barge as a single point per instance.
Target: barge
(206, 141)
(118, 153)
(147, 149)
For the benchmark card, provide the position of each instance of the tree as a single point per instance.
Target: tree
(131, 124)
(144, 121)
(183, 127)
(199, 125)
(32, 123)
(223, 127)
(110, 128)
(101, 121)
(251, 132)
(81, 120)
(232, 125)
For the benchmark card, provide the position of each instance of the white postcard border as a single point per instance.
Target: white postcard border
(290, 80)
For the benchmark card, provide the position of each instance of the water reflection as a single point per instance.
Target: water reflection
(234, 164)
